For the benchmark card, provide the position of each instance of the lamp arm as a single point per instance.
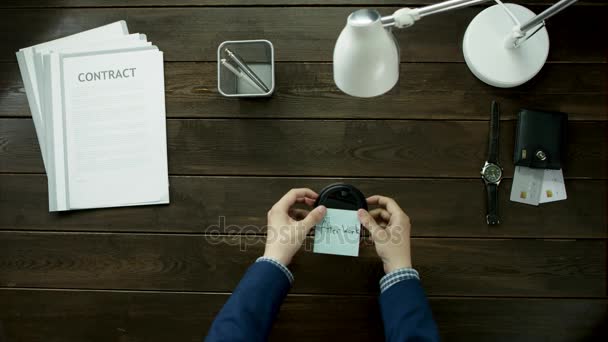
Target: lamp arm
(408, 16)
(549, 12)
(447, 6)
(520, 34)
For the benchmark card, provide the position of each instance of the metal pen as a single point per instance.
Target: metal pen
(247, 70)
(240, 74)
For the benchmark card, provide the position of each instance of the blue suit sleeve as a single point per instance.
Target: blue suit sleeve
(250, 311)
(406, 313)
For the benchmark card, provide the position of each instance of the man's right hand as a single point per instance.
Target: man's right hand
(390, 229)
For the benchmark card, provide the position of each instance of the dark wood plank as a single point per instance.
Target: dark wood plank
(335, 148)
(238, 205)
(307, 90)
(19, 154)
(148, 3)
(438, 91)
(193, 34)
(463, 267)
(65, 316)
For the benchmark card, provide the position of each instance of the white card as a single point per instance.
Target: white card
(338, 233)
(526, 186)
(554, 188)
(535, 186)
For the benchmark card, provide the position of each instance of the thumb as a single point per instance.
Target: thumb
(314, 217)
(368, 222)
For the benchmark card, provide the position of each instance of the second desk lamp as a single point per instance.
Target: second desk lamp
(505, 45)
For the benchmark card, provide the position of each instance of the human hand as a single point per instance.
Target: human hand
(390, 229)
(288, 227)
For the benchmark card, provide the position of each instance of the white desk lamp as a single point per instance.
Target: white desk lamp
(505, 45)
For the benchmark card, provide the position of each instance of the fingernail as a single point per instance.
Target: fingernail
(361, 212)
(322, 209)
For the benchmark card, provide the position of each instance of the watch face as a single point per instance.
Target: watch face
(492, 173)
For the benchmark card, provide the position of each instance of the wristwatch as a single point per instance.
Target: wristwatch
(491, 173)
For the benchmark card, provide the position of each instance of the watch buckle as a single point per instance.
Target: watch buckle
(491, 223)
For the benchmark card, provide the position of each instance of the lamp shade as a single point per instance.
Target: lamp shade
(366, 56)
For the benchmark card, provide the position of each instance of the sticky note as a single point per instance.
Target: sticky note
(339, 233)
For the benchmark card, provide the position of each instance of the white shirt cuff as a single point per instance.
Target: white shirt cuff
(396, 276)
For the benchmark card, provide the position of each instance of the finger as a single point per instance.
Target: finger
(292, 196)
(313, 218)
(380, 214)
(385, 202)
(368, 222)
(298, 214)
(306, 200)
(309, 201)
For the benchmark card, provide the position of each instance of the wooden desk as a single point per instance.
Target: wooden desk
(159, 274)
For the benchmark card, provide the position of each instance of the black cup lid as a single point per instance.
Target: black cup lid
(341, 196)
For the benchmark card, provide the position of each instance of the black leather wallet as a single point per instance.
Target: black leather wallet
(540, 139)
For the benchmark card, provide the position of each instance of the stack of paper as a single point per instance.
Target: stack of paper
(98, 106)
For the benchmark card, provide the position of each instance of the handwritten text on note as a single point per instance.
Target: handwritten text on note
(338, 233)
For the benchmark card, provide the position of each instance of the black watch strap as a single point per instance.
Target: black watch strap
(492, 213)
(494, 132)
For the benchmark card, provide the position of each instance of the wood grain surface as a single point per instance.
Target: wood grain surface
(240, 204)
(31, 315)
(424, 91)
(486, 267)
(282, 3)
(357, 148)
(161, 273)
(298, 34)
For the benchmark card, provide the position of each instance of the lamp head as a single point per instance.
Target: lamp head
(366, 56)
